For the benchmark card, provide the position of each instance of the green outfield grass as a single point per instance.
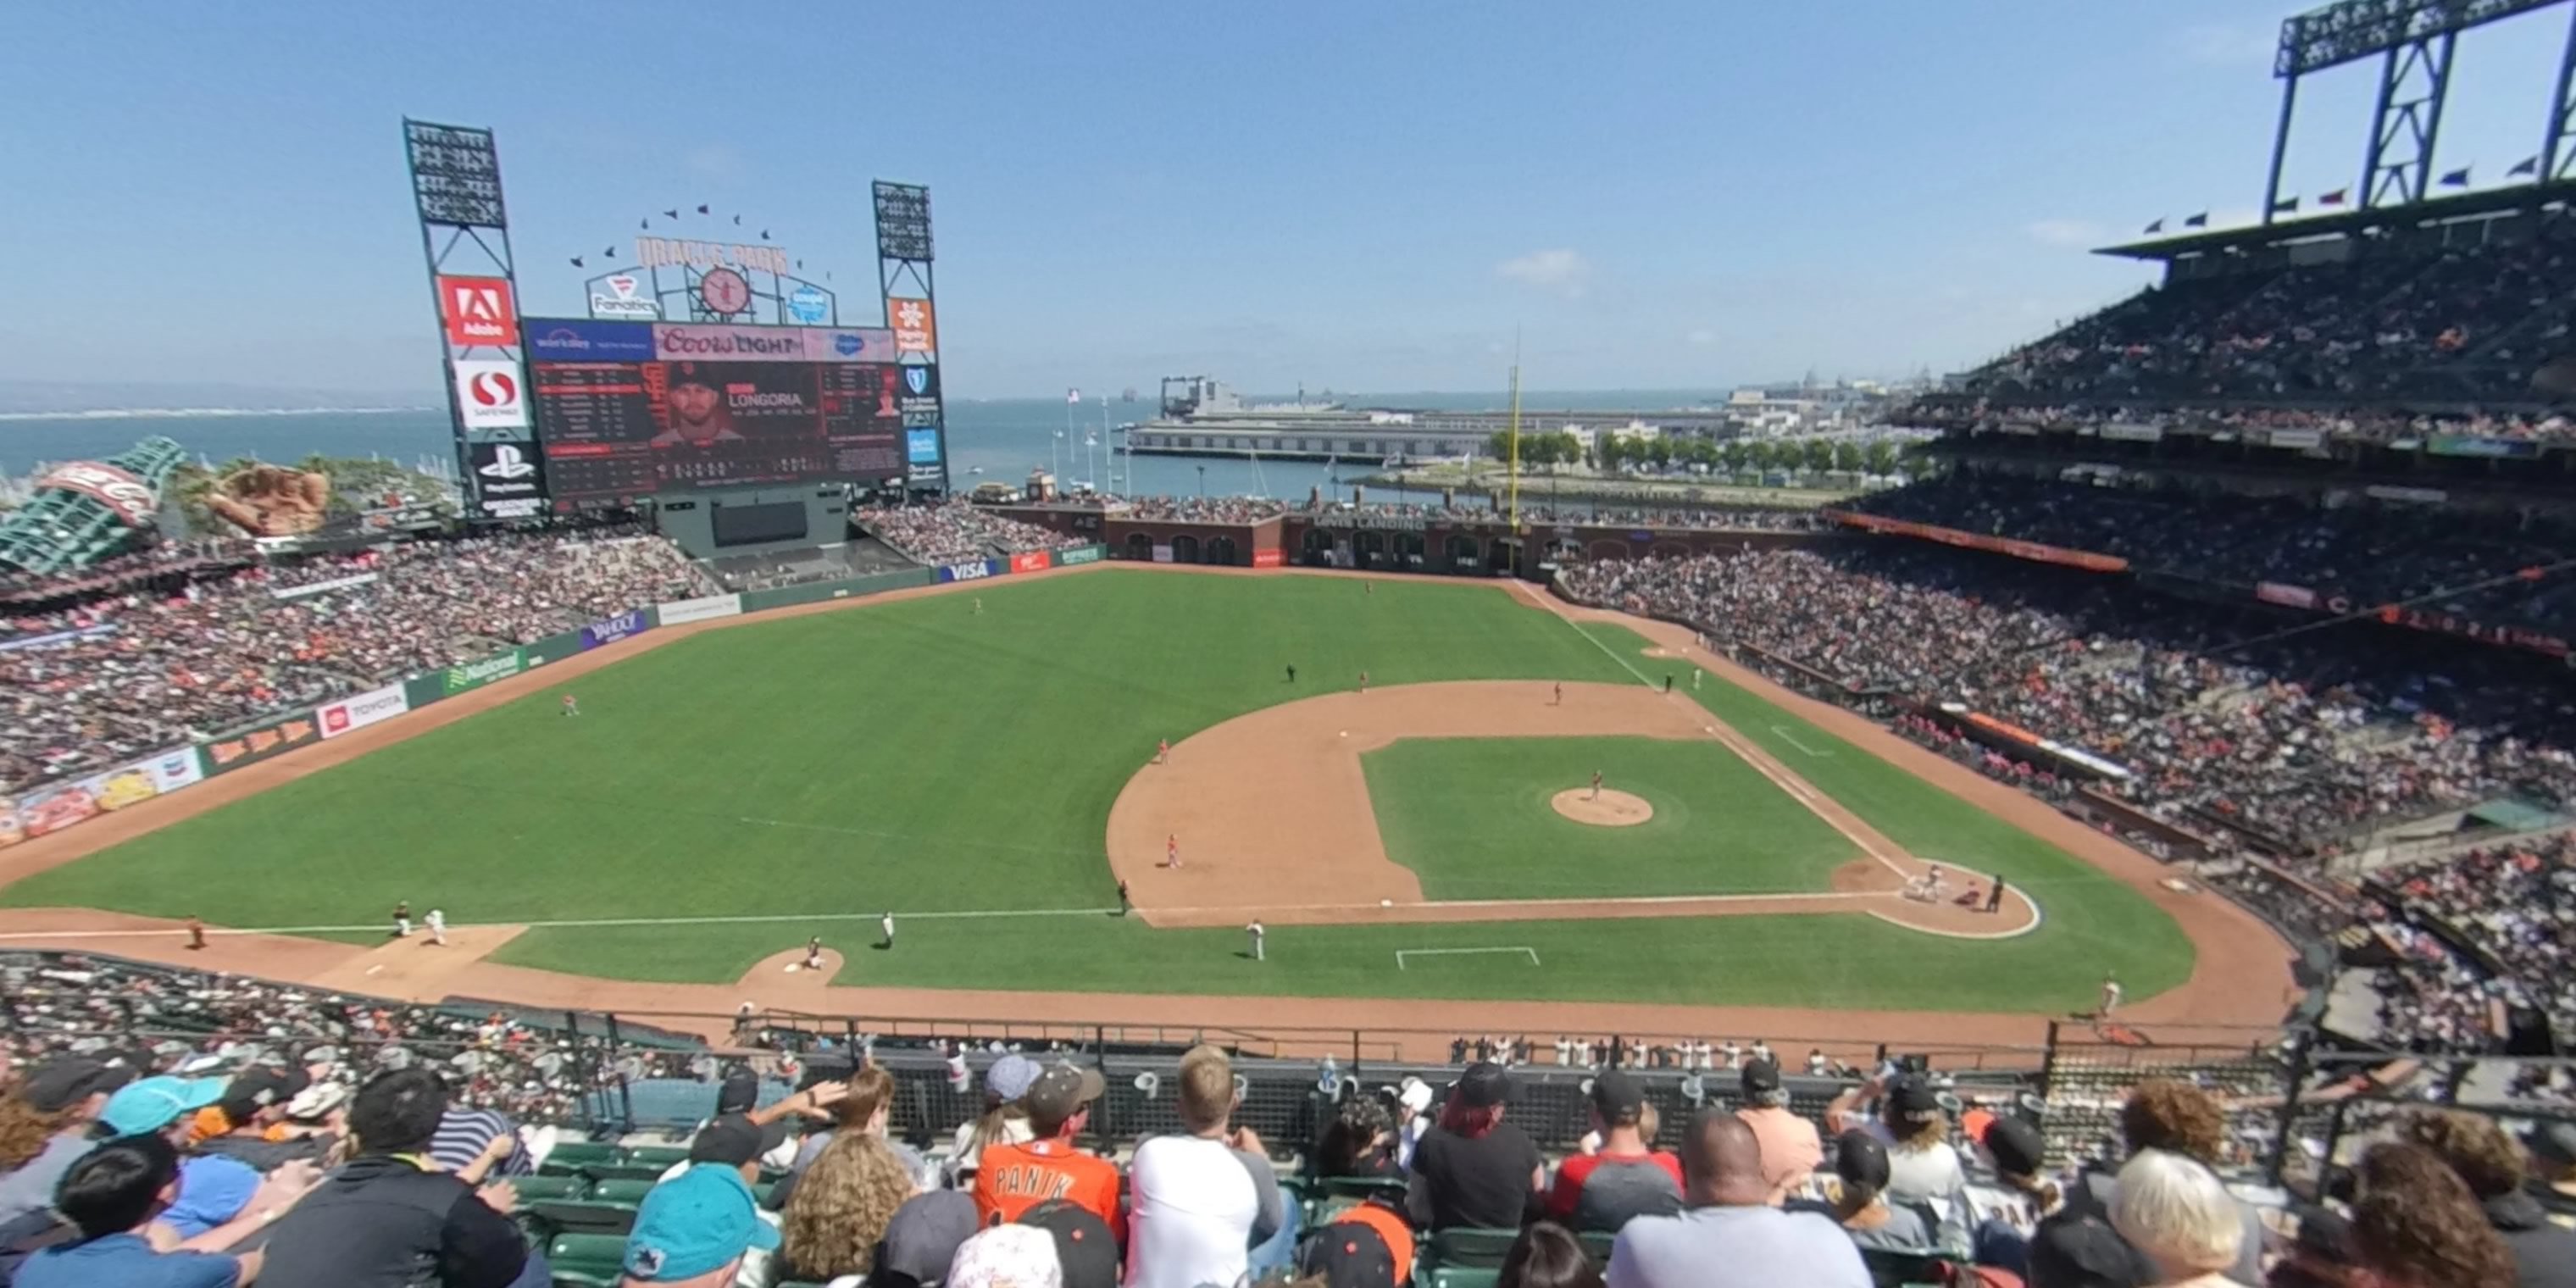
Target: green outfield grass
(1471, 817)
(931, 759)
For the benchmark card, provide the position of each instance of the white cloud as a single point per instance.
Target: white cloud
(1564, 271)
(1702, 336)
(2079, 233)
(2227, 44)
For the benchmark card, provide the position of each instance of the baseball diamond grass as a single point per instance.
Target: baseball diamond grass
(1471, 817)
(922, 756)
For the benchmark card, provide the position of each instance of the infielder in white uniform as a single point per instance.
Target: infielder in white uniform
(437, 923)
(886, 924)
(1258, 934)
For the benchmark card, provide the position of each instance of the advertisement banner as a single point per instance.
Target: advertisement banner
(2284, 594)
(916, 328)
(321, 587)
(849, 344)
(2132, 432)
(474, 675)
(919, 395)
(1029, 561)
(2297, 438)
(1271, 558)
(1162, 553)
(677, 341)
(2470, 445)
(2521, 637)
(976, 570)
(360, 710)
(809, 306)
(478, 311)
(1072, 555)
(631, 622)
(51, 809)
(619, 295)
(2030, 550)
(51, 638)
(265, 740)
(575, 340)
(2411, 495)
(490, 395)
(129, 498)
(680, 612)
(509, 480)
(553, 648)
(921, 446)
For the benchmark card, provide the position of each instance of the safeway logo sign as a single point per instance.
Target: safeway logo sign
(490, 395)
(478, 311)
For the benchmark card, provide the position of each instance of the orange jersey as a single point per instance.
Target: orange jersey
(1011, 1179)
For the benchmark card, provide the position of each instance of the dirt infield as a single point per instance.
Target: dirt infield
(1601, 807)
(2241, 975)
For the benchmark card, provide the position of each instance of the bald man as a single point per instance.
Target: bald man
(1729, 1235)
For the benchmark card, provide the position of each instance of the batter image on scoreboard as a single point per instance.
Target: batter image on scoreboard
(693, 412)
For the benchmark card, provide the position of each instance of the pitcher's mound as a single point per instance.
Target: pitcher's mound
(1614, 809)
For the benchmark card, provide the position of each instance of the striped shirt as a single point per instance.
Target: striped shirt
(462, 1136)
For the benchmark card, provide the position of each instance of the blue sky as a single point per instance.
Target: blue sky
(1361, 196)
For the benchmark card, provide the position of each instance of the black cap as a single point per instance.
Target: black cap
(734, 1139)
(1348, 1254)
(1484, 1084)
(1084, 1244)
(1913, 1097)
(740, 1093)
(262, 1087)
(1761, 1077)
(64, 1081)
(2016, 1145)
(1617, 1097)
(923, 1236)
(2085, 1252)
(1059, 1094)
(1860, 1159)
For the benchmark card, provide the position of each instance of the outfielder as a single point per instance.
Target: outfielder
(1163, 752)
(886, 924)
(1258, 934)
(571, 705)
(402, 919)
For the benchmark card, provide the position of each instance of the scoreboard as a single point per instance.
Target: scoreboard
(627, 410)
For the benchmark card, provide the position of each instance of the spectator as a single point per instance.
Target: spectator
(1359, 1142)
(253, 1105)
(1857, 1200)
(1728, 1234)
(1005, 1119)
(2553, 1157)
(1790, 1147)
(2018, 1153)
(2321, 1255)
(2175, 1212)
(1547, 1255)
(109, 1196)
(1008, 1256)
(1475, 1169)
(922, 1239)
(697, 1229)
(2081, 1245)
(1086, 1252)
(1412, 1119)
(1016, 1177)
(840, 1210)
(2544, 1255)
(384, 1218)
(45, 1126)
(1200, 1200)
(1924, 1165)
(862, 1104)
(733, 1143)
(2418, 1226)
(1622, 1177)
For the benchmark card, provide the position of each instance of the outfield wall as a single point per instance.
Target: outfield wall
(71, 802)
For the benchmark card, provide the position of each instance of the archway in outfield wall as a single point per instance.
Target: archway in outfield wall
(1140, 547)
(1409, 550)
(1608, 549)
(1315, 549)
(1185, 549)
(1462, 550)
(1220, 550)
(1368, 549)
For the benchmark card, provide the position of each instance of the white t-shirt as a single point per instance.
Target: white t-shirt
(1192, 1210)
(1932, 1175)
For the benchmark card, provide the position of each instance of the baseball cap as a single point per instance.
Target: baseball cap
(1086, 1253)
(1760, 1077)
(1484, 1084)
(64, 1081)
(317, 1101)
(1059, 1094)
(1010, 1076)
(1349, 1254)
(1007, 1256)
(1913, 1098)
(154, 1103)
(1414, 1094)
(2552, 1143)
(734, 1139)
(1861, 1159)
(922, 1237)
(695, 1223)
(256, 1089)
(1617, 1097)
(2085, 1252)
(740, 1092)
(2016, 1146)
(212, 1190)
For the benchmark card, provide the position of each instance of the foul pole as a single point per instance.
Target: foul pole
(1513, 509)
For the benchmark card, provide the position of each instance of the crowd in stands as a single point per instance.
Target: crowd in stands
(2312, 740)
(111, 679)
(2513, 906)
(154, 560)
(2373, 554)
(1984, 414)
(952, 532)
(1206, 509)
(2470, 323)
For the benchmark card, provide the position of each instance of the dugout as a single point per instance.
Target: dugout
(754, 520)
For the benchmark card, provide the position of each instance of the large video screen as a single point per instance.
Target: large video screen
(627, 410)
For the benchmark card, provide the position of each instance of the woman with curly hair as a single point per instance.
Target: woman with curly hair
(2488, 1160)
(45, 1126)
(1360, 1141)
(2418, 1226)
(840, 1209)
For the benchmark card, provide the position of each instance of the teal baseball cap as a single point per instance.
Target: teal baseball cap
(154, 1103)
(696, 1223)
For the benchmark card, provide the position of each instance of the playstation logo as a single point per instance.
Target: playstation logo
(507, 463)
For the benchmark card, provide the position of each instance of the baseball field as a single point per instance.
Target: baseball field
(982, 766)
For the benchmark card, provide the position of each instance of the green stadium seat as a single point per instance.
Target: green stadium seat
(1366, 1187)
(587, 1260)
(1466, 1277)
(1596, 1245)
(534, 1188)
(573, 1153)
(628, 1192)
(625, 1171)
(658, 1157)
(1894, 1268)
(1468, 1246)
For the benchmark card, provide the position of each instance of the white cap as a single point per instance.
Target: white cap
(1414, 1094)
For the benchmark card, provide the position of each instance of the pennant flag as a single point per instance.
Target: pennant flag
(1073, 395)
(764, 234)
(2457, 178)
(800, 266)
(737, 221)
(2289, 206)
(2334, 198)
(645, 222)
(2200, 220)
(2156, 227)
(702, 210)
(670, 214)
(576, 261)
(608, 251)
(2530, 165)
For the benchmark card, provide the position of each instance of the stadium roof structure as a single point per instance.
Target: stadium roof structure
(2351, 223)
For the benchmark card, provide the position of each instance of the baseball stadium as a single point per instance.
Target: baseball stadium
(2140, 764)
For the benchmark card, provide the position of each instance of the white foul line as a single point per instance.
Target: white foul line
(1402, 953)
(1792, 740)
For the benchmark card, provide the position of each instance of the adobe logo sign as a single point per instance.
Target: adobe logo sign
(478, 311)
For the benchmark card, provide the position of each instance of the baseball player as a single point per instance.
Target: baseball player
(813, 955)
(571, 705)
(1935, 881)
(1696, 673)
(1172, 850)
(1596, 784)
(1559, 700)
(886, 924)
(1363, 681)
(1995, 896)
(196, 933)
(1125, 904)
(2110, 997)
(402, 919)
(979, 603)
(1163, 752)
(1258, 934)
(1292, 673)
(437, 923)
(1668, 683)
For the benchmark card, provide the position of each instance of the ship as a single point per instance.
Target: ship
(1202, 417)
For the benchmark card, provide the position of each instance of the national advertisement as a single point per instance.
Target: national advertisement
(630, 622)
(360, 710)
(270, 738)
(921, 446)
(474, 675)
(1029, 561)
(680, 612)
(1071, 555)
(2301, 439)
(584, 340)
(2471, 445)
(973, 570)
